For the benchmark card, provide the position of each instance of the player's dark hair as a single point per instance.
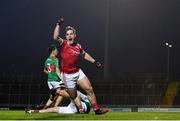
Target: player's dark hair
(70, 28)
(51, 48)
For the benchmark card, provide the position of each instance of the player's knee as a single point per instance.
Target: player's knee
(89, 90)
(73, 96)
(58, 92)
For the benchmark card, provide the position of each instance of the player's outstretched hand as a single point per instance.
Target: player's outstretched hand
(98, 64)
(60, 21)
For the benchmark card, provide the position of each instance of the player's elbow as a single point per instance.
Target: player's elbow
(55, 37)
(45, 71)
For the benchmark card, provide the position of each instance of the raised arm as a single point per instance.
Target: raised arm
(57, 31)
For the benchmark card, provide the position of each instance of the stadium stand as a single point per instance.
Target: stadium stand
(130, 89)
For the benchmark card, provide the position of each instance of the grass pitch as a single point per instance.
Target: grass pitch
(21, 115)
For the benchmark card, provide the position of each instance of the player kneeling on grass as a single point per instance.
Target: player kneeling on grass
(70, 109)
(53, 101)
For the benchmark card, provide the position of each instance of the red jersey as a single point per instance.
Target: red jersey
(70, 54)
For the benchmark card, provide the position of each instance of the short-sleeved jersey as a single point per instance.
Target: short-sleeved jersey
(51, 64)
(70, 54)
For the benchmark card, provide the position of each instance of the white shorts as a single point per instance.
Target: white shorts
(53, 85)
(71, 108)
(70, 80)
(68, 109)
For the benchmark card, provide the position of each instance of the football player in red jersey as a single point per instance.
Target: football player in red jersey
(71, 75)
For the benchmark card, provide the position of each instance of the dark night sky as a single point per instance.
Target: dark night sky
(138, 32)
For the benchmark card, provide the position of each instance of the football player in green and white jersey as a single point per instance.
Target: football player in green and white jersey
(51, 67)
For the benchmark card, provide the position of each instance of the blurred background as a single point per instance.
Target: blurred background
(131, 38)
